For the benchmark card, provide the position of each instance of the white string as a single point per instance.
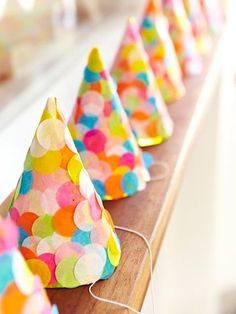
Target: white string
(163, 175)
(151, 273)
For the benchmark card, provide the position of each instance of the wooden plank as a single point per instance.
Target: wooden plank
(149, 211)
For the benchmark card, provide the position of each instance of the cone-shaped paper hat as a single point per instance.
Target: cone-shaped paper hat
(161, 52)
(139, 91)
(212, 12)
(103, 135)
(181, 33)
(20, 290)
(199, 25)
(66, 235)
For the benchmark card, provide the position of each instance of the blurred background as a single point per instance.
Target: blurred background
(43, 48)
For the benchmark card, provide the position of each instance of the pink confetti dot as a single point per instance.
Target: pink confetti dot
(127, 160)
(49, 259)
(68, 194)
(94, 141)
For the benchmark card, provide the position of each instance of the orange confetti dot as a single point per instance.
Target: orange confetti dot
(63, 221)
(26, 221)
(113, 186)
(66, 155)
(140, 115)
(152, 129)
(41, 269)
(27, 253)
(13, 300)
(96, 87)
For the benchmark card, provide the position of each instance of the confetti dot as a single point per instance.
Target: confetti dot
(13, 293)
(82, 216)
(127, 159)
(42, 227)
(113, 249)
(113, 186)
(74, 167)
(82, 237)
(92, 104)
(65, 272)
(26, 221)
(49, 163)
(63, 221)
(49, 259)
(100, 233)
(26, 182)
(68, 249)
(41, 269)
(6, 273)
(130, 183)
(95, 140)
(99, 187)
(50, 134)
(89, 268)
(68, 194)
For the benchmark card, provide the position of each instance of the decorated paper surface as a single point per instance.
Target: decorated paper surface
(66, 235)
(103, 136)
(139, 92)
(161, 52)
(182, 37)
(198, 24)
(20, 291)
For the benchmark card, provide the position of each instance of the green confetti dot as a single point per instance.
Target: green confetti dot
(43, 227)
(65, 272)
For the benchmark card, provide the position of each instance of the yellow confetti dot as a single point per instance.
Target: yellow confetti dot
(74, 168)
(95, 63)
(139, 66)
(113, 249)
(41, 269)
(48, 163)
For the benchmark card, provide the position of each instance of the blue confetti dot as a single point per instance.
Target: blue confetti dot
(148, 159)
(90, 76)
(147, 23)
(115, 102)
(54, 309)
(99, 187)
(129, 183)
(144, 77)
(128, 146)
(152, 101)
(89, 121)
(108, 269)
(22, 235)
(81, 237)
(26, 182)
(128, 112)
(6, 274)
(79, 145)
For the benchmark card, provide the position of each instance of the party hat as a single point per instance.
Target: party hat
(139, 92)
(103, 135)
(161, 52)
(212, 12)
(181, 33)
(20, 291)
(199, 25)
(66, 235)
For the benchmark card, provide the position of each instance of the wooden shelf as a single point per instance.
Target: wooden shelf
(149, 211)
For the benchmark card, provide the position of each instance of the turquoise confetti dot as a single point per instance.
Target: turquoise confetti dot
(108, 269)
(99, 187)
(54, 309)
(22, 235)
(144, 77)
(79, 145)
(26, 182)
(129, 183)
(147, 23)
(88, 121)
(128, 146)
(6, 274)
(148, 159)
(81, 237)
(90, 76)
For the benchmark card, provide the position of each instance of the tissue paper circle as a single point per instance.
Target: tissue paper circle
(139, 92)
(20, 291)
(103, 135)
(161, 52)
(58, 210)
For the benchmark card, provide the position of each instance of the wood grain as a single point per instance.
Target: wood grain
(149, 211)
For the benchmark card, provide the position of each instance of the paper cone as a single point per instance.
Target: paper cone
(161, 52)
(199, 25)
(181, 33)
(139, 92)
(211, 10)
(103, 136)
(66, 235)
(20, 291)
